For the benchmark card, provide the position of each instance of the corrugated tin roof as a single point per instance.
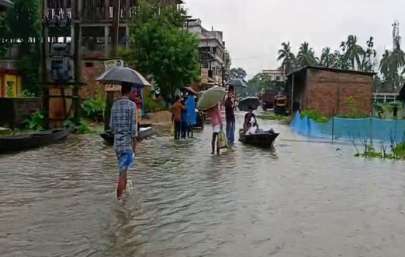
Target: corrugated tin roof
(332, 70)
(6, 3)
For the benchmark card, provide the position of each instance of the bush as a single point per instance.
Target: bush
(93, 108)
(399, 151)
(82, 127)
(315, 115)
(152, 105)
(35, 122)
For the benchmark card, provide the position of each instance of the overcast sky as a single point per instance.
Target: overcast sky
(254, 29)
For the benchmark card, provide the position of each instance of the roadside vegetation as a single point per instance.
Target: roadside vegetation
(392, 152)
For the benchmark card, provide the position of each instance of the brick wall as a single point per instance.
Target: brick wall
(333, 93)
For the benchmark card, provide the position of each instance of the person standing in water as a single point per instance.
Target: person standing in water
(216, 122)
(191, 114)
(177, 110)
(230, 116)
(124, 127)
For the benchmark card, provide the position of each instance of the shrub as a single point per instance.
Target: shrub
(82, 127)
(399, 151)
(315, 115)
(93, 108)
(35, 122)
(152, 105)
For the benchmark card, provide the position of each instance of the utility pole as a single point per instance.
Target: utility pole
(76, 43)
(44, 70)
(115, 27)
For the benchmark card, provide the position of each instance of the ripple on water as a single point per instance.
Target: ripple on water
(294, 201)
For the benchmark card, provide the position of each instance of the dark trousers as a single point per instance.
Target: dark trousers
(215, 142)
(230, 131)
(177, 129)
(184, 129)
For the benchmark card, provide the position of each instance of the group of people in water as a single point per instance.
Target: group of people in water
(185, 115)
(126, 115)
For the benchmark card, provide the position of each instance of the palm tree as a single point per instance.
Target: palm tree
(385, 64)
(368, 60)
(286, 57)
(328, 59)
(353, 52)
(392, 65)
(306, 55)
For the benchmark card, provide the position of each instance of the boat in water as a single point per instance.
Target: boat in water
(263, 139)
(144, 132)
(23, 142)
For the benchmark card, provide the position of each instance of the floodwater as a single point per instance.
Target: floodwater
(304, 199)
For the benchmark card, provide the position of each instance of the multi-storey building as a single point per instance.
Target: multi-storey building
(213, 55)
(276, 75)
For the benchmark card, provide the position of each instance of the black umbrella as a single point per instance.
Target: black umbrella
(119, 75)
(247, 102)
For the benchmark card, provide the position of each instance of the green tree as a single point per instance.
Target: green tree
(22, 27)
(328, 58)
(306, 56)
(238, 73)
(161, 48)
(392, 67)
(368, 60)
(261, 82)
(3, 40)
(286, 57)
(353, 52)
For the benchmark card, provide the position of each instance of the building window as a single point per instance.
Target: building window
(278, 78)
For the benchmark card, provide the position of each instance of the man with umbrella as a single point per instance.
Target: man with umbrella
(123, 121)
(124, 127)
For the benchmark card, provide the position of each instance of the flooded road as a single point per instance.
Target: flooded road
(306, 199)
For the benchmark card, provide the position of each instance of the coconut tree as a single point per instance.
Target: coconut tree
(369, 56)
(328, 58)
(353, 52)
(306, 55)
(385, 64)
(286, 57)
(392, 66)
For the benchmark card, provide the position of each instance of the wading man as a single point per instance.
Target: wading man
(124, 127)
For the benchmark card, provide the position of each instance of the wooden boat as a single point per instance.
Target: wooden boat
(263, 139)
(144, 132)
(32, 140)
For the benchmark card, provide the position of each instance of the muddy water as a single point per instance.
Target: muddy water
(305, 199)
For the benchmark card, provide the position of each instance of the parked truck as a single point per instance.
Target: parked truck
(267, 99)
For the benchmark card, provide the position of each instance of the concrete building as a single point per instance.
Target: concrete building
(275, 75)
(213, 55)
(331, 91)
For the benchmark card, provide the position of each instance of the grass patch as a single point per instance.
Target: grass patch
(272, 116)
(315, 116)
(397, 152)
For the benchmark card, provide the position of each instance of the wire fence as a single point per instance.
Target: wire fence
(343, 129)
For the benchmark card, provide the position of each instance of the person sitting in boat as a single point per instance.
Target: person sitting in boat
(250, 125)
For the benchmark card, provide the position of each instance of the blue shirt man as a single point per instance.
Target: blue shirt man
(124, 127)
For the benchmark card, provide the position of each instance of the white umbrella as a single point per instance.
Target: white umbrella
(119, 75)
(210, 98)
